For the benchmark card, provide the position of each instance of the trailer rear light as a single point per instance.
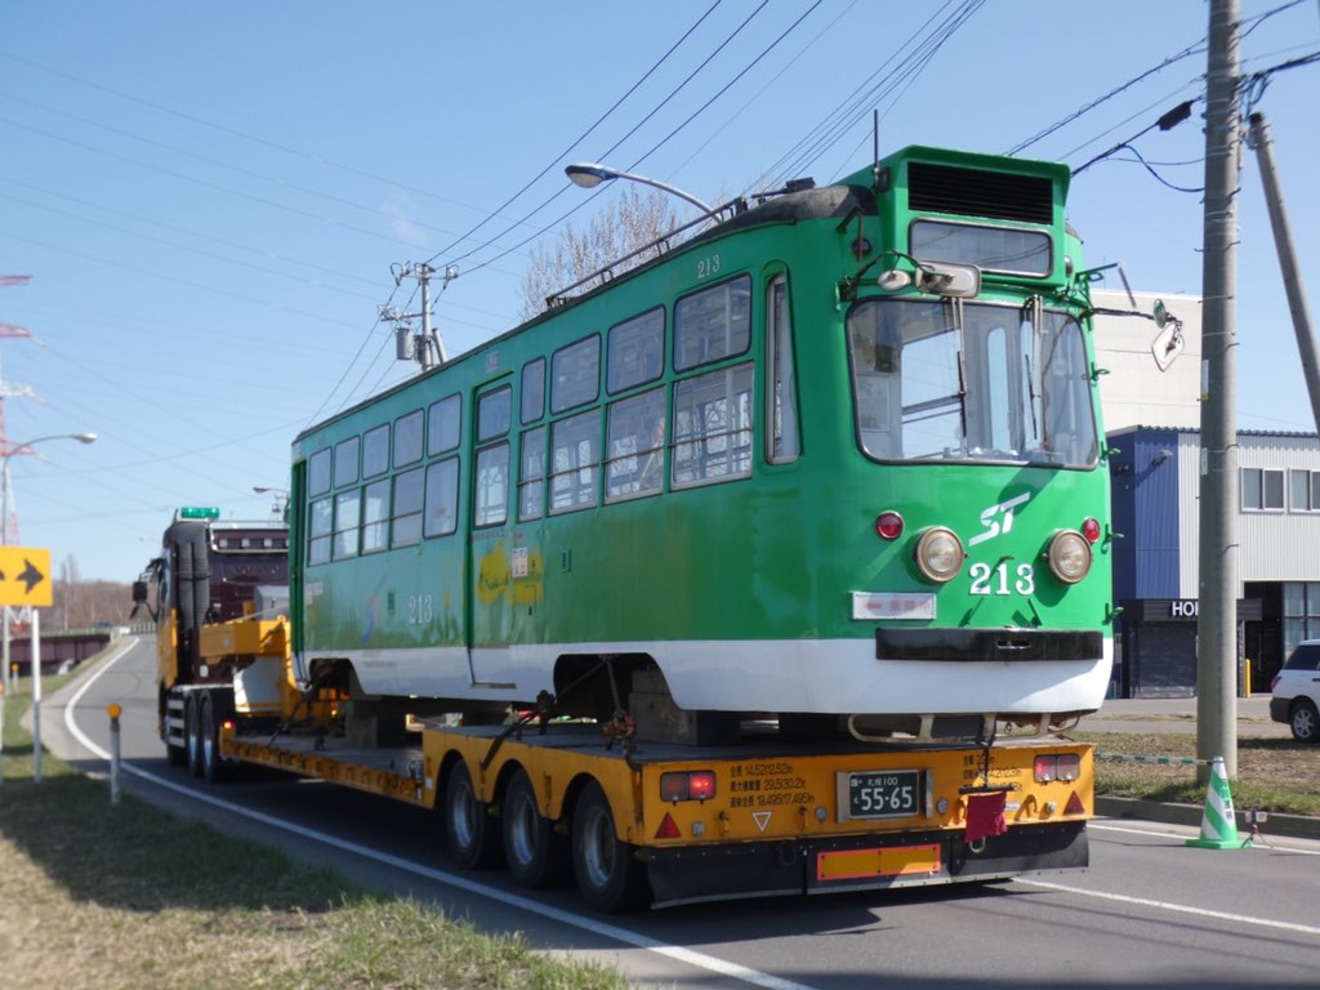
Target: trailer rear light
(889, 525)
(667, 829)
(687, 785)
(1069, 555)
(1064, 766)
(939, 554)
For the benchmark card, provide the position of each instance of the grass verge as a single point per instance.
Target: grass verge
(1273, 774)
(128, 895)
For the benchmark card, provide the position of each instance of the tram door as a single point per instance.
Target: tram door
(489, 537)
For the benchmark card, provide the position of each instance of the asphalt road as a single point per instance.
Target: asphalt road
(1150, 911)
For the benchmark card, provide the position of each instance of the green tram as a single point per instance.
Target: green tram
(838, 454)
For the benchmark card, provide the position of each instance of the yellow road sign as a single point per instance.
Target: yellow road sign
(25, 577)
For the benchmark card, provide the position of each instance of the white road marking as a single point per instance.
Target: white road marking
(622, 935)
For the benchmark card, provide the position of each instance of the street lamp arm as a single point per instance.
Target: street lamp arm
(588, 175)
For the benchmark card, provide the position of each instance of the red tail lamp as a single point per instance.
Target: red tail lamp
(889, 525)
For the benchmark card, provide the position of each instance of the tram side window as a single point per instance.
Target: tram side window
(492, 498)
(636, 351)
(713, 427)
(375, 516)
(321, 531)
(348, 510)
(407, 516)
(493, 412)
(444, 423)
(713, 324)
(636, 446)
(532, 404)
(782, 437)
(441, 511)
(531, 481)
(376, 451)
(575, 374)
(346, 462)
(575, 453)
(318, 472)
(408, 439)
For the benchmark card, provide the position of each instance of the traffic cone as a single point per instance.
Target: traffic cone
(1218, 823)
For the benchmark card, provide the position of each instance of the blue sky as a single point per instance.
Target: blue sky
(209, 197)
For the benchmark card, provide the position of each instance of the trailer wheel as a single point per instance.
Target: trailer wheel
(537, 855)
(192, 730)
(609, 875)
(474, 840)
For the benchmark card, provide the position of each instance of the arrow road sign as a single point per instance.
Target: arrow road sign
(25, 577)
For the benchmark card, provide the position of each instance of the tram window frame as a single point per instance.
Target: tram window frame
(575, 369)
(701, 337)
(636, 444)
(434, 505)
(490, 481)
(320, 530)
(318, 472)
(531, 474)
(376, 451)
(531, 399)
(444, 425)
(694, 461)
(409, 500)
(494, 413)
(574, 485)
(346, 461)
(635, 351)
(783, 433)
(347, 532)
(376, 516)
(408, 445)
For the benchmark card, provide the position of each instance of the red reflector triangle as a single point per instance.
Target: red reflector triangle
(667, 829)
(1075, 806)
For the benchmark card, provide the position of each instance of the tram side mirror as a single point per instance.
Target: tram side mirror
(1168, 343)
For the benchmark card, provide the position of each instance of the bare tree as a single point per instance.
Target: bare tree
(635, 220)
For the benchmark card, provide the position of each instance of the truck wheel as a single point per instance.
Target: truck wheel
(1304, 722)
(609, 875)
(474, 840)
(213, 770)
(192, 730)
(537, 855)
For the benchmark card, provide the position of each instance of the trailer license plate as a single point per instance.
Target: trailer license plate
(883, 794)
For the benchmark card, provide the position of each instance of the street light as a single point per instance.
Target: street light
(281, 507)
(5, 456)
(589, 175)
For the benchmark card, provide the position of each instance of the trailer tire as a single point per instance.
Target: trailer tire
(537, 855)
(609, 875)
(192, 731)
(474, 839)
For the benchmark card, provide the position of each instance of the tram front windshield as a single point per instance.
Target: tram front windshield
(945, 379)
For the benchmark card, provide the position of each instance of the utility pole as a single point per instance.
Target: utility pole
(426, 348)
(1263, 145)
(1216, 628)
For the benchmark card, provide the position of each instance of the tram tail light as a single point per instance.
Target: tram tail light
(687, 785)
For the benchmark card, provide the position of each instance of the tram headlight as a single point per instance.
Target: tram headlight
(1069, 555)
(939, 554)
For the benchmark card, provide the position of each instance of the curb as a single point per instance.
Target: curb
(1292, 826)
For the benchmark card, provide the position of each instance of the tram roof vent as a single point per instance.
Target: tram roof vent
(972, 192)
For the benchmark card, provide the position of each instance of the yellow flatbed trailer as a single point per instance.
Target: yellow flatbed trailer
(668, 823)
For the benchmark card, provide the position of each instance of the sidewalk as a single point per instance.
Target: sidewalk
(1154, 715)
